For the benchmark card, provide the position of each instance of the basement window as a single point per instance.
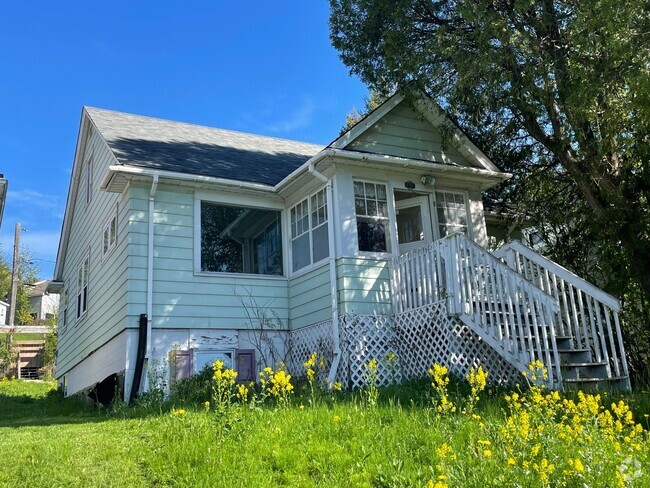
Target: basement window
(240, 240)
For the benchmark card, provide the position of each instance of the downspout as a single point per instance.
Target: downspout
(152, 193)
(331, 236)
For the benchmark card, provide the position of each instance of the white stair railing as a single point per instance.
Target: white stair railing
(509, 312)
(587, 315)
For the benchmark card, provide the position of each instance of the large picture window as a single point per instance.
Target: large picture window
(451, 210)
(309, 233)
(371, 208)
(240, 240)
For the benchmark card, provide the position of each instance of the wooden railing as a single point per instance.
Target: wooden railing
(587, 315)
(510, 313)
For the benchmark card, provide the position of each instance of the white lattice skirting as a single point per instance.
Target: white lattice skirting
(405, 346)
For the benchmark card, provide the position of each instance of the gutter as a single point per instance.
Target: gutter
(147, 356)
(331, 236)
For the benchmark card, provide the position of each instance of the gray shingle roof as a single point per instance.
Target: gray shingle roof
(151, 143)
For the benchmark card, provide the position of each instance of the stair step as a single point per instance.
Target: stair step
(585, 370)
(614, 383)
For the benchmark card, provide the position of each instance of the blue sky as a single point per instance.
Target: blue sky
(260, 67)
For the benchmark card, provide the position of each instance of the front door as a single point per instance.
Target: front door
(413, 223)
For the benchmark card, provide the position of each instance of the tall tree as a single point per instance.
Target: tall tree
(560, 87)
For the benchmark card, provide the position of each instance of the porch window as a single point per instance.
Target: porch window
(309, 233)
(240, 240)
(451, 210)
(82, 287)
(371, 208)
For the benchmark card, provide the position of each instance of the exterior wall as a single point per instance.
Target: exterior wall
(309, 298)
(43, 305)
(3, 312)
(364, 286)
(108, 359)
(405, 133)
(106, 306)
(182, 296)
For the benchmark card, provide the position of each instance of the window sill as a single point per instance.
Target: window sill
(217, 274)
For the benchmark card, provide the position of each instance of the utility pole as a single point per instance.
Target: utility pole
(14, 287)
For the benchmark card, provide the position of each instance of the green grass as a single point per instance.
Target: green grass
(49, 441)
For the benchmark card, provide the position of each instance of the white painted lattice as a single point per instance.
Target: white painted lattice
(427, 335)
(306, 340)
(368, 337)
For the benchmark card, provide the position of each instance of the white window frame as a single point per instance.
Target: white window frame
(309, 230)
(237, 201)
(81, 303)
(109, 232)
(390, 226)
(89, 180)
(468, 213)
(64, 309)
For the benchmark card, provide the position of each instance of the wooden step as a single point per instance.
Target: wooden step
(613, 384)
(584, 370)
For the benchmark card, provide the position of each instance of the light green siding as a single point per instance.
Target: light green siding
(364, 286)
(309, 298)
(107, 276)
(181, 297)
(405, 133)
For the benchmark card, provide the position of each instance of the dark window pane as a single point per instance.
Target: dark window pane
(372, 235)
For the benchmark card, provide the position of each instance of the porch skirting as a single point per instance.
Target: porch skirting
(405, 346)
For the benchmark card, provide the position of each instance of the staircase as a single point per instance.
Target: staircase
(524, 306)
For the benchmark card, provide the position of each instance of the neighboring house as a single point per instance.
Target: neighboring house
(4, 306)
(182, 244)
(43, 305)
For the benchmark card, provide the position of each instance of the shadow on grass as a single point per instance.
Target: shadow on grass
(39, 408)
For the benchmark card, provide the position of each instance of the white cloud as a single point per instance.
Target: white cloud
(53, 204)
(301, 117)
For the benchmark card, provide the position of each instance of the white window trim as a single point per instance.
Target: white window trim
(82, 315)
(392, 225)
(434, 212)
(89, 180)
(63, 319)
(105, 227)
(312, 265)
(238, 201)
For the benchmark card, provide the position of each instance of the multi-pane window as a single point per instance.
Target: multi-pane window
(309, 233)
(109, 235)
(451, 210)
(371, 208)
(82, 287)
(240, 239)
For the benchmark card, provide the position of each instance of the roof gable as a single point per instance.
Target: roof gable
(146, 142)
(413, 129)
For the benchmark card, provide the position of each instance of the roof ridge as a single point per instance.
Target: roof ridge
(192, 124)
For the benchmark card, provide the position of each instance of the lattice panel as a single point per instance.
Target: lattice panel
(425, 337)
(304, 341)
(369, 337)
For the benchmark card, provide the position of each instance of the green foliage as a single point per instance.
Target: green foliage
(27, 274)
(61, 443)
(374, 99)
(558, 94)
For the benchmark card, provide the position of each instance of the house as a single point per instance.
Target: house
(182, 244)
(43, 305)
(4, 306)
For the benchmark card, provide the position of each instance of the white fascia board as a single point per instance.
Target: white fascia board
(132, 171)
(394, 161)
(466, 147)
(367, 122)
(72, 191)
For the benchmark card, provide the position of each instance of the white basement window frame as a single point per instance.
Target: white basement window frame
(309, 236)
(373, 217)
(452, 213)
(109, 234)
(82, 287)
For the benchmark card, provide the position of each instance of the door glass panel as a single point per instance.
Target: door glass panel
(409, 225)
